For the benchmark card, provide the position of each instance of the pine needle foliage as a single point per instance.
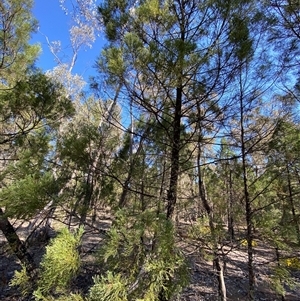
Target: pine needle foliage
(63, 297)
(282, 279)
(108, 287)
(141, 259)
(60, 264)
(22, 281)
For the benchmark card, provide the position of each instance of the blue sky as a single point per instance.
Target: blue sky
(54, 24)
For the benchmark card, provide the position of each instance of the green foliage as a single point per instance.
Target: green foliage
(62, 297)
(281, 279)
(31, 113)
(239, 35)
(38, 98)
(161, 53)
(22, 281)
(115, 60)
(202, 231)
(292, 263)
(29, 184)
(25, 285)
(60, 263)
(155, 11)
(88, 143)
(16, 26)
(114, 17)
(109, 287)
(27, 195)
(142, 258)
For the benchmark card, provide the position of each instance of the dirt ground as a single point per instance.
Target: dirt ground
(203, 284)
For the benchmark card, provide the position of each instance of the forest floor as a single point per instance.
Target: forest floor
(203, 283)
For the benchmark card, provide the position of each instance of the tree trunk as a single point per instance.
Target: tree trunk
(126, 186)
(203, 196)
(230, 208)
(87, 198)
(175, 150)
(172, 193)
(247, 207)
(278, 264)
(217, 261)
(291, 199)
(221, 281)
(16, 244)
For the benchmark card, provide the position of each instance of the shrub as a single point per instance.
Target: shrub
(141, 259)
(60, 263)
(22, 281)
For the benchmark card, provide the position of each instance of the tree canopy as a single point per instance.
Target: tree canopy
(187, 138)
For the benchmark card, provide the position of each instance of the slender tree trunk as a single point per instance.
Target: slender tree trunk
(222, 295)
(291, 199)
(278, 264)
(230, 208)
(16, 244)
(176, 129)
(247, 207)
(162, 185)
(175, 150)
(174, 174)
(126, 186)
(221, 281)
(87, 199)
(91, 181)
(172, 193)
(249, 240)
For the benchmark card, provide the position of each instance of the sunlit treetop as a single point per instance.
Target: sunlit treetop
(16, 26)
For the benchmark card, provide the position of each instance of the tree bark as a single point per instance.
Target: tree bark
(291, 199)
(222, 295)
(221, 280)
(230, 208)
(16, 244)
(126, 185)
(205, 201)
(172, 193)
(278, 264)
(248, 208)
